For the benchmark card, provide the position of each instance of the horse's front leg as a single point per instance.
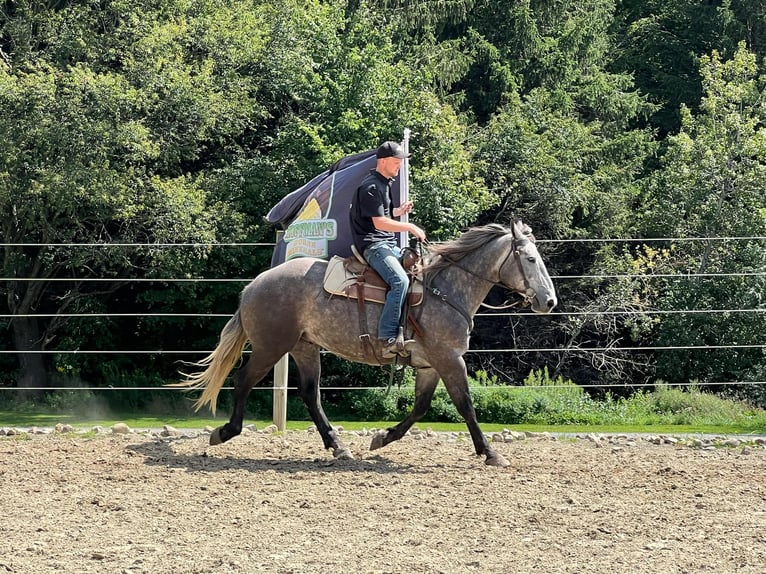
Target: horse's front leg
(307, 359)
(453, 373)
(425, 385)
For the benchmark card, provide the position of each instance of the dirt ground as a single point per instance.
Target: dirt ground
(262, 503)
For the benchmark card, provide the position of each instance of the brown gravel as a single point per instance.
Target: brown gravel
(130, 504)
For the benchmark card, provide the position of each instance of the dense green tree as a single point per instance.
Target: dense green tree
(575, 180)
(73, 172)
(711, 186)
(184, 123)
(160, 121)
(660, 42)
(102, 124)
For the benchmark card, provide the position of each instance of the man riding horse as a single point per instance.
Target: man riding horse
(373, 226)
(287, 309)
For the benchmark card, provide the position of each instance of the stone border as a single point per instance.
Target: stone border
(617, 441)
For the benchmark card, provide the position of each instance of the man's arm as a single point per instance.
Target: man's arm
(388, 224)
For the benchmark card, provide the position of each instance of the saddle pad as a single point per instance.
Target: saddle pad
(339, 280)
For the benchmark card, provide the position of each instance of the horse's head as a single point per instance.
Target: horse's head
(524, 271)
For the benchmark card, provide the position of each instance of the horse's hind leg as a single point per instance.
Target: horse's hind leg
(254, 370)
(307, 359)
(425, 385)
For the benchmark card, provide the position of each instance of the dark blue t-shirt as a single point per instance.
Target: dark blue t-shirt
(372, 199)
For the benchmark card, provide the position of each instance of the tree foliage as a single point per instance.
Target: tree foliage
(160, 121)
(711, 187)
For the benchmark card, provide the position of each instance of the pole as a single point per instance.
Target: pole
(279, 396)
(279, 410)
(404, 186)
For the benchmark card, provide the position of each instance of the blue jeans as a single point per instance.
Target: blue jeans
(384, 258)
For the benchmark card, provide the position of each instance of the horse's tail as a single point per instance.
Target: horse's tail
(218, 364)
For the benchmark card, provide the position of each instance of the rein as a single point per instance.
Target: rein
(504, 306)
(443, 296)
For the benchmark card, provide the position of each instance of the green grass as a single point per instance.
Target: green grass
(28, 419)
(541, 405)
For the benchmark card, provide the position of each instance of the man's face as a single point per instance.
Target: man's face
(389, 166)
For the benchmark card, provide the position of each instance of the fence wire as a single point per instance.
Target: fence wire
(608, 349)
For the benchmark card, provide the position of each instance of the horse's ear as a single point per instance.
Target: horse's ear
(522, 231)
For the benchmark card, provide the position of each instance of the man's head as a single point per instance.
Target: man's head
(390, 155)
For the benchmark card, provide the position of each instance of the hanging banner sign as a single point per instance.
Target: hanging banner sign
(315, 217)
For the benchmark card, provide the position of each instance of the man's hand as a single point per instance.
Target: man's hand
(405, 207)
(418, 232)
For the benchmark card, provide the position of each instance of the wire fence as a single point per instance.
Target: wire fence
(559, 314)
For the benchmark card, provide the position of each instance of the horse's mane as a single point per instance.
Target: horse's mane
(444, 254)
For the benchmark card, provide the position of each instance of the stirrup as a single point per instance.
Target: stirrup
(398, 347)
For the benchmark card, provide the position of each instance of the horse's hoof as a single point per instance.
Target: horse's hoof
(497, 460)
(378, 440)
(215, 437)
(342, 453)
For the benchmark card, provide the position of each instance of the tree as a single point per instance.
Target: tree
(711, 186)
(100, 130)
(74, 177)
(660, 43)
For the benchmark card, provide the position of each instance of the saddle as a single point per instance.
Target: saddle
(348, 276)
(353, 278)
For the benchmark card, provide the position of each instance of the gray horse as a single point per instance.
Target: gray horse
(286, 310)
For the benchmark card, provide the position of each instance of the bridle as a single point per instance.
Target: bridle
(526, 296)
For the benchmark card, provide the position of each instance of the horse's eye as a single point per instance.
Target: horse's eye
(531, 259)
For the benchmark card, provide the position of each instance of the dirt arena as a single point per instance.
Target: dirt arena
(135, 503)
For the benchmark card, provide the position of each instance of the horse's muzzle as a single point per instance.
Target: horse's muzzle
(544, 304)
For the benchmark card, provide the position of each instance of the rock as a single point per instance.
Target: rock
(120, 428)
(64, 428)
(208, 429)
(168, 430)
(497, 437)
(731, 442)
(271, 429)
